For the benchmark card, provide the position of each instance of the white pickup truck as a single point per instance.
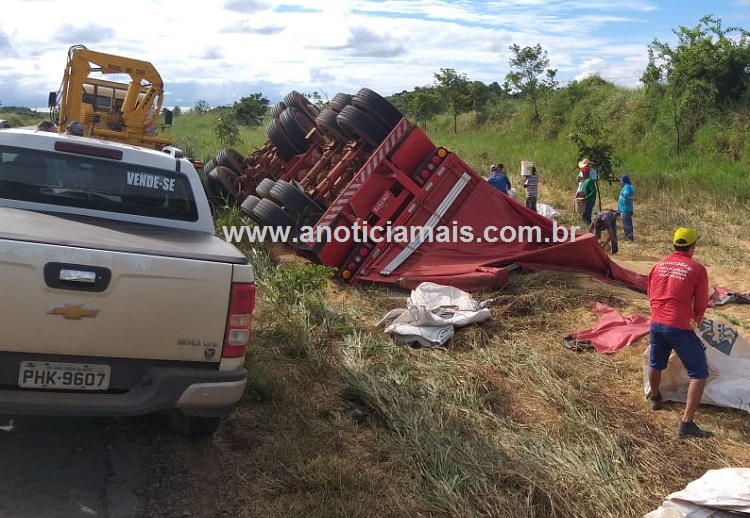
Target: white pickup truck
(117, 297)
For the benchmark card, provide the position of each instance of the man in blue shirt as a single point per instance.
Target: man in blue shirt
(625, 206)
(498, 179)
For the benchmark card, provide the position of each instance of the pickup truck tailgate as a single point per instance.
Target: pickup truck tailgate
(86, 289)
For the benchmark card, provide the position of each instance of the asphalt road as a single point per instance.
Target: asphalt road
(104, 468)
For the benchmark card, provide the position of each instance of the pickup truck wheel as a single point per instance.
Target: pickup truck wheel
(263, 189)
(339, 101)
(227, 182)
(359, 124)
(268, 214)
(377, 107)
(248, 204)
(232, 159)
(295, 200)
(326, 122)
(192, 426)
(286, 149)
(277, 109)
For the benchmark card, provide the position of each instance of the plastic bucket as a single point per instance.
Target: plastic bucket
(526, 168)
(579, 205)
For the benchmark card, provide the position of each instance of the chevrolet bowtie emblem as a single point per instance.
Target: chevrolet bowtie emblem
(73, 311)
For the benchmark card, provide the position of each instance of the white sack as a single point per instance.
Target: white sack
(432, 311)
(728, 383)
(547, 211)
(714, 495)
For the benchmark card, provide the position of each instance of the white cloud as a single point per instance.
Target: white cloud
(220, 51)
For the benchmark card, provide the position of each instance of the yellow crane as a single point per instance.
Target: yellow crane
(110, 110)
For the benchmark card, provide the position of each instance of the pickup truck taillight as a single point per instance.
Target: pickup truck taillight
(241, 305)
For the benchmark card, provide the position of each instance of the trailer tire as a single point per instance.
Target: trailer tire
(294, 99)
(277, 109)
(214, 200)
(294, 200)
(263, 189)
(378, 107)
(248, 204)
(294, 123)
(227, 182)
(210, 165)
(339, 101)
(286, 149)
(326, 123)
(231, 159)
(268, 214)
(359, 125)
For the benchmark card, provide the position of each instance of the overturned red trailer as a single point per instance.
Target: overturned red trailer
(372, 196)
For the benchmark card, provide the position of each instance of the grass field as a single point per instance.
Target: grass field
(340, 420)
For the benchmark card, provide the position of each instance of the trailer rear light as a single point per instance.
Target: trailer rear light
(354, 262)
(241, 305)
(422, 174)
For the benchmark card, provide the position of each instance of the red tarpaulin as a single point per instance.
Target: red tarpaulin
(478, 264)
(613, 332)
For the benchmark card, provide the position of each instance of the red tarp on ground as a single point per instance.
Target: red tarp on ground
(613, 332)
(467, 265)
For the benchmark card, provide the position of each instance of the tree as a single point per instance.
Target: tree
(527, 64)
(176, 111)
(453, 88)
(227, 132)
(479, 96)
(319, 99)
(706, 71)
(592, 145)
(423, 105)
(250, 110)
(201, 107)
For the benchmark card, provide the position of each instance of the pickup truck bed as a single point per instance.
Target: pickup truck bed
(117, 297)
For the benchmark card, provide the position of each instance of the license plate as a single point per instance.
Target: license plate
(64, 376)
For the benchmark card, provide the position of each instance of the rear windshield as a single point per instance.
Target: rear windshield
(92, 183)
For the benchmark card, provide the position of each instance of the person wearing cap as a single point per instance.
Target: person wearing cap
(678, 296)
(625, 206)
(75, 128)
(498, 179)
(589, 193)
(585, 170)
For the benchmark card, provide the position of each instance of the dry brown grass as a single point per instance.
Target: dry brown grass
(502, 422)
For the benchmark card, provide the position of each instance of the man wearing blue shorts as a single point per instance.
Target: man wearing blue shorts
(678, 295)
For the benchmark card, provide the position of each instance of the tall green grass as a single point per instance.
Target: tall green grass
(196, 135)
(715, 162)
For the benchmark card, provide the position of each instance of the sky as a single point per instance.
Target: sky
(219, 51)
